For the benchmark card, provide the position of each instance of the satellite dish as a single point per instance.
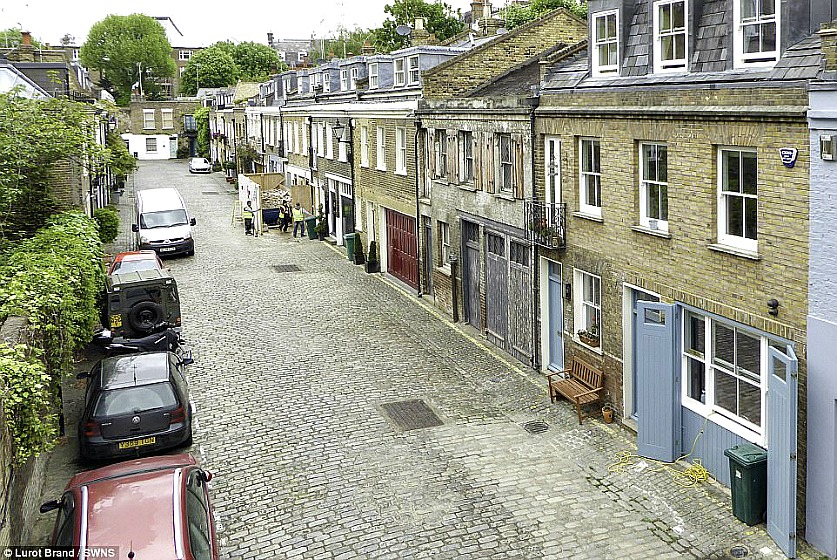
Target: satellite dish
(404, 30)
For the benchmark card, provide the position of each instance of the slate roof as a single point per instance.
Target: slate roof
(712, 40)
(637, 54)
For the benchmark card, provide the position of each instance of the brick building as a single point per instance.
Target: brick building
(161, 129)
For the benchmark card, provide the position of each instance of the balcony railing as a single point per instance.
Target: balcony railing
(546, 224)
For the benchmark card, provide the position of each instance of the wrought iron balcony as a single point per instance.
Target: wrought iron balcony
(546, 224)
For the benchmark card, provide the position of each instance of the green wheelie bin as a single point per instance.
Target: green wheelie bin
(748, 482)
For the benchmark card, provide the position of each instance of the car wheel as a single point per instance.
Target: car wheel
(145, 315)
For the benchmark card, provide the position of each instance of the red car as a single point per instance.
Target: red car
(132, 261)
(157, 507)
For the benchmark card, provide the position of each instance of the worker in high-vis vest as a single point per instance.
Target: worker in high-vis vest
(247, 214)
(299, 220)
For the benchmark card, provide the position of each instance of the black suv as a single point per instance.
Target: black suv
(137, 302)
(134, 405)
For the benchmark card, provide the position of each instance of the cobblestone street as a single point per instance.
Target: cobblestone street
(293, 372)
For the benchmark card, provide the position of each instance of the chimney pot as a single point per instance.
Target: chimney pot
(26, 38)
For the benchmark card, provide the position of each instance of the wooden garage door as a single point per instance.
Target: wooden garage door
(402, 247)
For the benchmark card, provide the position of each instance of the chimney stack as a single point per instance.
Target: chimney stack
(420, 35)
(367, 50)
(25, 39)
(828, 36)
(269, 39)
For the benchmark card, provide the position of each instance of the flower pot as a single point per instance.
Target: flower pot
(373, 266)
(607, 414)
(589, 340)
(321, 235)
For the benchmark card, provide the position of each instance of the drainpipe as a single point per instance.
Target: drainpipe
(418, 209)
(533, 103)
(311, 156)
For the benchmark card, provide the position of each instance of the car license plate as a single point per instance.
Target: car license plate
(167, 249)
(137, 443)
(115, 321)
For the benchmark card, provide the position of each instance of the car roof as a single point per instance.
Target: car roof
(134, 370)
(136, 256)
(118, 495)
(133, 277)
(161, 199)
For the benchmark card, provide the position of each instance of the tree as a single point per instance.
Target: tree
(128, 50)
(344, 43)
(256, 62)
(34, 136)
(440, 20)
(517, 15)
(11, 38)
(212, 67)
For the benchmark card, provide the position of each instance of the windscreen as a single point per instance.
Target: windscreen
(133, 400)
(150, 220)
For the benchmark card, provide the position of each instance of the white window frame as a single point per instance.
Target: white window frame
(552, 169)
(399, 77)
(650, 180)
(364, 145)
(749, 244)
(465, 149)
(505, 162)
(587, 307)
(151, 146)
(305, 138)
(329, 136)
(326, 82)
(589, 172)
(344, 79)
(600, 43)
(761, 58)
(184, 54)
(297, 144)
(729, 420)
(373, 75)
(149, 124)
(413, 70)
(321, 141)
(444, 245)
(342, 147)
(353, 79)
(440, 153)
(167, 118)
(400, 150)
(672, 33)
(381, 149)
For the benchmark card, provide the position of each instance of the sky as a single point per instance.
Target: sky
(201, 23)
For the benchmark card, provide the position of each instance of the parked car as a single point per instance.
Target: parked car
(162, 222)
(157, 507)
(132, 261)
(136, 404)
(199, 165)
(136, 302)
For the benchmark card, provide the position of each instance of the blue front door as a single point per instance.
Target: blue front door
(782, 386)
(555, 320)
(658, 381)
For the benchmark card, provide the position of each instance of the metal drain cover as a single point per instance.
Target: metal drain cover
(739, 551)
(210, 192)
(285, 268)
(536, 426)
(411, 415)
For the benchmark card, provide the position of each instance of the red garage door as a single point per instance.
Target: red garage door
(402, 260)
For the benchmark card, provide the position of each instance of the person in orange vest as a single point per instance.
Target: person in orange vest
(299, 220)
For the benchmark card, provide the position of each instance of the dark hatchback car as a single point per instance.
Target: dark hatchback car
(156, 507)
(135, 404)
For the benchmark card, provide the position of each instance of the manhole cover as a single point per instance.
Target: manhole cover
(210, 192)
(411, 415)
(739, 551)
(285, 268)
(536, 426)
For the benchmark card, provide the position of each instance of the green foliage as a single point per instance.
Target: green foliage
(440, 20)
(358, 249)
(34, 136)
(212, 67)
(11, 37)
(322, 222)
(202, 122)
(127, 49)
(28, 401)
(256, 62)
(54, 279)
(246, 155)
(345, 43)
(120, 160)
(517, 14)
(107, 223)
(373, 251)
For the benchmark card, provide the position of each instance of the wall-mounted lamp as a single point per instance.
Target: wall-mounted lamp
(773, 307)
(112, 123)
(568, 291)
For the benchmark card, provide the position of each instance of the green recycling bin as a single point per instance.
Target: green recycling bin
(310, 224)
(349, 238)
(748, 482)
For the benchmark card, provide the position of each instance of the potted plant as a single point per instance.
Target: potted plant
(358, 257)
(322, 225)
(607, 413)
(590, 336)
(372, 262)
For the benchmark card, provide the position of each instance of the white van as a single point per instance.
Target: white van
(162, 222)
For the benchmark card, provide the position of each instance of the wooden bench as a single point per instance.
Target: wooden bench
(581, 383)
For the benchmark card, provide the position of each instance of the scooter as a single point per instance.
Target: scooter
(162, 339)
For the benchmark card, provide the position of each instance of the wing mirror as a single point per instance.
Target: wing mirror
(47, 507)
(193, 221)
(134, 227)
(206, 476)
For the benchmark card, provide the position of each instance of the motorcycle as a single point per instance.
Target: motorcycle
(163, 338)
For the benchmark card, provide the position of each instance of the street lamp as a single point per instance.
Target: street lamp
(340, 132)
